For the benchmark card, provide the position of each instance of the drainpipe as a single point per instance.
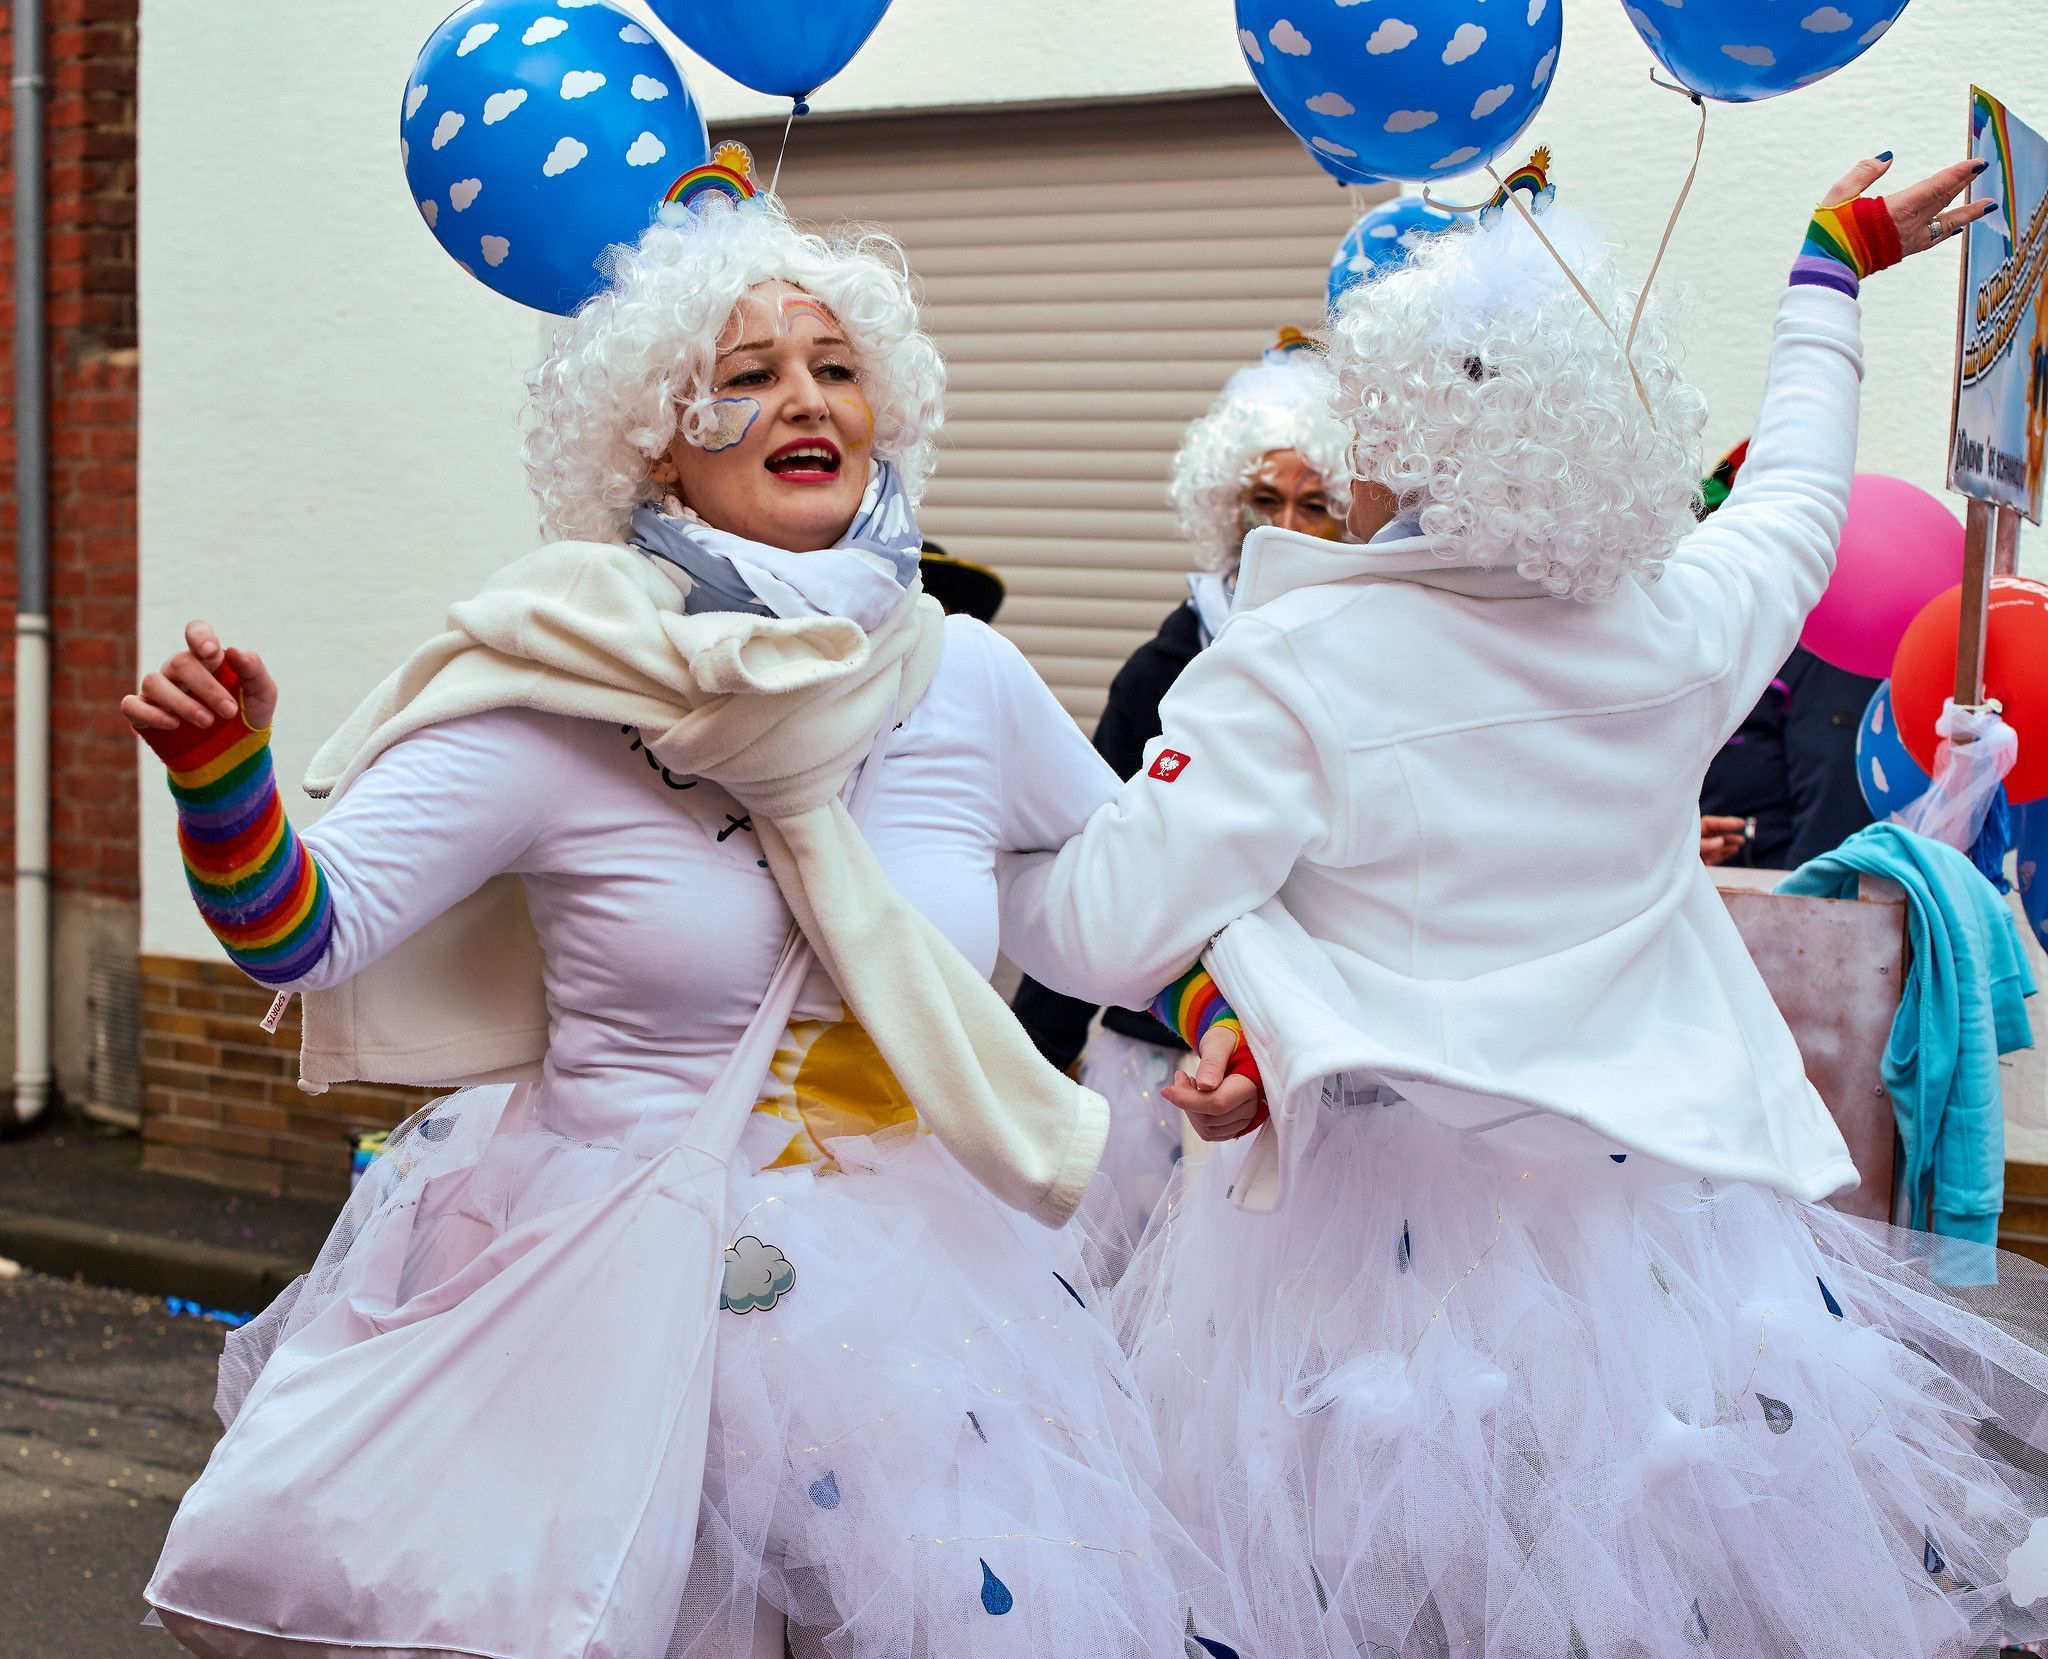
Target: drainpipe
(32, 585)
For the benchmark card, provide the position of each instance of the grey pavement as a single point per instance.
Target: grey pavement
(105, 1419)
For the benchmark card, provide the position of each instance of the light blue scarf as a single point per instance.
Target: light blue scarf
(866, 576)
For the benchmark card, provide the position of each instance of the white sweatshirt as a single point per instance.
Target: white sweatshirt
(1459, 820)
(657, 918)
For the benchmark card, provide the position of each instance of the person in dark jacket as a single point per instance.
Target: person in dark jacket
(1783, 789)
(1267, 452)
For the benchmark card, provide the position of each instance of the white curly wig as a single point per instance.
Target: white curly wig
(1481, 389)
(1267, 407)
(637, 359)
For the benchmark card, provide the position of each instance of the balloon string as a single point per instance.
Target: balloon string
(782, 150)
(1443, 206)
(1699, 145)
(1572, 276)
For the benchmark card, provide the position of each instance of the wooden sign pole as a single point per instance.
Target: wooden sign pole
(2005, 555)
(1991, 547)
(1978, 535)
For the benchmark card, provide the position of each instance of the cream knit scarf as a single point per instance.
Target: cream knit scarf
(777, 711)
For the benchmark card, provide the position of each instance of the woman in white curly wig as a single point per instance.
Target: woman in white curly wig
(919, 1442)
(1267, 452)
(1519, 1328)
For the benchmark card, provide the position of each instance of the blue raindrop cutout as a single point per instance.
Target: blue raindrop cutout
(1619, 1157)
(1070, 1290)
(1828, 1298)
(1406, 1253)
(1201, 1647)
(995, 1594)
(1932, 1559)
(1696, 1627)
(978, 1429)
(825, 1490)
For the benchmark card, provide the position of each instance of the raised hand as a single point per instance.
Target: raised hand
(187, 690)
(1922, 212)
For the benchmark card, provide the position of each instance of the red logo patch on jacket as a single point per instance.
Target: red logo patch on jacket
(1168, 766)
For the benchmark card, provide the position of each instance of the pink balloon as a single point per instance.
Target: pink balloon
(1900, 548)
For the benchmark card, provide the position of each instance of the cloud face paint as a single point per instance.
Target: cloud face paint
(732, 418)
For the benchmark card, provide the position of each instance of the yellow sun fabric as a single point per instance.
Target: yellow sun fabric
(830, 1080)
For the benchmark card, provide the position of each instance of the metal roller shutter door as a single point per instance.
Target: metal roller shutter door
(1092, 276)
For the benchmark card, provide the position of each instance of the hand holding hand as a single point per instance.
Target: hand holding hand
(1220, 1103)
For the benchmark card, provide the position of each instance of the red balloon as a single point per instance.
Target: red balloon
(2015, 673)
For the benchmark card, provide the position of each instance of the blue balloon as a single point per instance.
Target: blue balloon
(1434, 88)
(1383, 239)
(536, 134)
(1742, 50)
(1891, 778)
(2030, 844)
(788, 48)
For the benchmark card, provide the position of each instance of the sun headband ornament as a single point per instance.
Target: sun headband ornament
(1292, 343)
(1532, 178)
(727, 176)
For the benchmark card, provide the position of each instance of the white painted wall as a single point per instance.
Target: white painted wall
(931, 54)
(330, 408)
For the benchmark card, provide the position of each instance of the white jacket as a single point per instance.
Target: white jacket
(1459, 821)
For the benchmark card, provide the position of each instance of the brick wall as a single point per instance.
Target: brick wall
(90, 139)
(220, 1096)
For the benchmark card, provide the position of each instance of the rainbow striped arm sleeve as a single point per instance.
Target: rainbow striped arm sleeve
(1846, 243)
(1193, 1006)
(259, 890)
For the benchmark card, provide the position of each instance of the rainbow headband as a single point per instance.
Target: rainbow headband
(1987, 112)
(1532, 178)
(728, 175)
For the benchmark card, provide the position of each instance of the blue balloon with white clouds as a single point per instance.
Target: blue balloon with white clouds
(1891, 778)
(788, 48)
(536, 134)
(2030, 864)
(1384, 239)
(1406, 89)
(1741, 50)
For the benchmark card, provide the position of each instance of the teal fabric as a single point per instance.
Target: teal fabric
(1964, 1005)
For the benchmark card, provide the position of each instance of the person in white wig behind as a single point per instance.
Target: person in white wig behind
(1269, 451)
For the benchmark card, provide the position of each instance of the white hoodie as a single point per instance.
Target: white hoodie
(1443, 828)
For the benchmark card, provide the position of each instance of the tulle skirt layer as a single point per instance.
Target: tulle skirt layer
(924, 1441)
(1144, 1127)
(1451, 1400)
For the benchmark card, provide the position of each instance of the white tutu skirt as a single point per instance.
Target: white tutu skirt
(1451, 1400)
(924, 1442)
(1144, 1127)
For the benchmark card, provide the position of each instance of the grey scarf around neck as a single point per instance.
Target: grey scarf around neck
(866, 576)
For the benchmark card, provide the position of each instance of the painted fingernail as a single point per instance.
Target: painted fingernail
(1978, 166)
(1884, 155)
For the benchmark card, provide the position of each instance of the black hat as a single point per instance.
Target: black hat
(961, 587)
